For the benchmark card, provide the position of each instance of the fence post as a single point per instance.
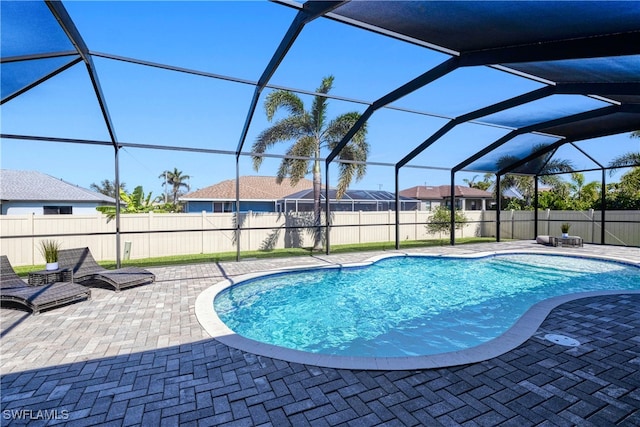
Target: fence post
(149, 228)
(249, 230)
(513, 225)
(548, 222)
(203, 217)
(359, 226)
(127, 251)
(593, 225)
(33, 240)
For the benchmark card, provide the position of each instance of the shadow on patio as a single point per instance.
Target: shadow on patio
(208, 383)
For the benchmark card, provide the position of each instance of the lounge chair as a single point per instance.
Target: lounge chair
(37, 298)
(543, 240)
(87, 271)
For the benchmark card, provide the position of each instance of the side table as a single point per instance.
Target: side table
(43, 277)
(571, 241)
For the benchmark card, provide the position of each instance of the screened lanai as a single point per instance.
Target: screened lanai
(446, 90)
(352, 200)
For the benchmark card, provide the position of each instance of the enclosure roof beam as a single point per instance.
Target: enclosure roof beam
(40, 80)
(587, 155)
(536, 127)
(424, 79)
(561, 88)
(617, 44)
(65, 21)
(548, 148)
(310, 11)
(485, 111)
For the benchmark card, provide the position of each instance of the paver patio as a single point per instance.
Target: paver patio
(140, 357)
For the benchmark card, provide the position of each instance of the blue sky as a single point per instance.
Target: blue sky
(154, 106)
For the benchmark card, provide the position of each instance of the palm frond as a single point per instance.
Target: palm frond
(319, 106)
(557, 166)
(357, 149)
(284, 171)
(356, 153)
(283, 99)
(552, 181)
(338, 128)
(287, 129)
(624, 160)
(304, 147)
(347, 171)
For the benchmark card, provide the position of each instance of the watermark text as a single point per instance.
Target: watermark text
(33, 415)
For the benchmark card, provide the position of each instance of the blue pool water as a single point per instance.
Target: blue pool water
(408, 306)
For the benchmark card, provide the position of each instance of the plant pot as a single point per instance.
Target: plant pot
(52, 266)
(565, 235)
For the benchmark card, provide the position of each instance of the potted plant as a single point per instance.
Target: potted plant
(565, 229)
(49, 250)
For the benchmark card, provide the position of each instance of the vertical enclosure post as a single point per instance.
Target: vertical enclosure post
(498, 207)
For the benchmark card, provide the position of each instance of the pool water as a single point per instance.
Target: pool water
(409, 305)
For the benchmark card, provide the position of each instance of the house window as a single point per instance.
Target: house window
(458, 204)
(57, 210)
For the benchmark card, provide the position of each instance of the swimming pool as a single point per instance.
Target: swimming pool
(408, 306)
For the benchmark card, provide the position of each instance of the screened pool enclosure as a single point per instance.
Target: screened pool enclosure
(446, 90)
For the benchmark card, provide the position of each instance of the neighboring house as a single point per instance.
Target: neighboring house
(352, 200)
(31, 192)
(467, 198)
(263, 194)
(257, 194)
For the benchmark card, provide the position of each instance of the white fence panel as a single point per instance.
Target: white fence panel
(156, 235)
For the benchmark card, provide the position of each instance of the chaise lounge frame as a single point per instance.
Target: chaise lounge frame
(87, 271)
(37, 298)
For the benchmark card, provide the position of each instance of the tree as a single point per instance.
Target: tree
(626, 193)
(481, 185)
(624, 160)
(471, 182)
(440, 220)
(135, 202)
(107, 187)
(177, 181)
(542, 165)
(583, 195)
(627, 159)
(310, 133)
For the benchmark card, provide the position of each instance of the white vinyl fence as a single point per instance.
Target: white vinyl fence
(621, 227)
(157, 235)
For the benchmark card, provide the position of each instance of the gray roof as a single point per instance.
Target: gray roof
(32, 185)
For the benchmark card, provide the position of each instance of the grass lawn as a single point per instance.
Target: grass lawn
(275, 253)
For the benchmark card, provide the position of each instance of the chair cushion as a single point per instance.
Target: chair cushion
(543, 240)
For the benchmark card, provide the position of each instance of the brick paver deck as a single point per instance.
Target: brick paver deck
(139, 357)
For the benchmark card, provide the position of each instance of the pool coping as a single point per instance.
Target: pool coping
(523, 329)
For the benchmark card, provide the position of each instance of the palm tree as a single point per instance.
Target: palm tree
(135, 202)
(525, 184)
(482, 185)
(627, 159)
(624, 160)
(471, 182)
(310, 132)
(577, 182)
(176, 180)
(107, 187)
